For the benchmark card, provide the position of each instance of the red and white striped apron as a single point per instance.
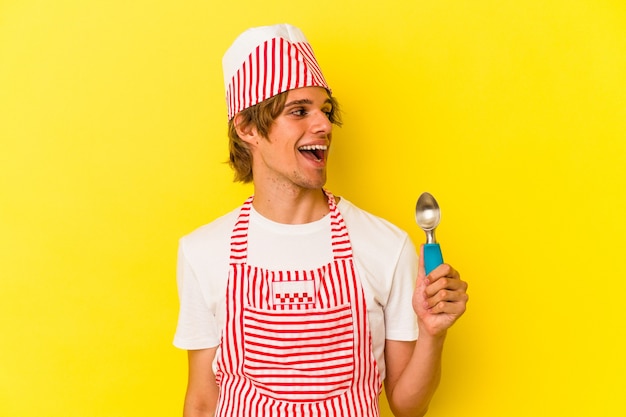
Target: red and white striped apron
(296, 343)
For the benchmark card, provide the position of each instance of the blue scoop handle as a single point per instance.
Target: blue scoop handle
(432, 256)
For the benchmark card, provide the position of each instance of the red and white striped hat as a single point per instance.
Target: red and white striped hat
(266, 61)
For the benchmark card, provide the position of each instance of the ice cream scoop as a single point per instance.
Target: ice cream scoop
(427, 217)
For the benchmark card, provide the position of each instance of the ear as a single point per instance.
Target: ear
(246, 132)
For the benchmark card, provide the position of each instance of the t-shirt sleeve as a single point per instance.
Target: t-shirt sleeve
(400, 318)
(196, 327)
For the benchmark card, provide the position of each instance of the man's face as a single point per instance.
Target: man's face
(296, 150)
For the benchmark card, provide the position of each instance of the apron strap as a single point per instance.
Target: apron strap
(342, 249)
(239, 237)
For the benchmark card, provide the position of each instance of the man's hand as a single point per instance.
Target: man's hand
(440, 298)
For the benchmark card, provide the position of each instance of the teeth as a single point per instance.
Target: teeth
(313, 148)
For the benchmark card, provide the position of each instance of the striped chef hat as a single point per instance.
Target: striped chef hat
(266, 61)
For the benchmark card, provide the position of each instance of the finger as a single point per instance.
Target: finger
(420, 285)
(453, 308)
(443, 270)
(421, 271)
(447, 296)
(445, 283)
(453, 273)
(455, 292)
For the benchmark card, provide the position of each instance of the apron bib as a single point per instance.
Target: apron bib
(296, 343)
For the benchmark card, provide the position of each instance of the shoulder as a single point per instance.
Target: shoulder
(211, 238)
(376, 241)
(362, 223)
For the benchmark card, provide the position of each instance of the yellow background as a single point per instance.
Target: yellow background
(512, 113)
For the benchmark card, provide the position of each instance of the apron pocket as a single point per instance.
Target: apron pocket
(298, 356)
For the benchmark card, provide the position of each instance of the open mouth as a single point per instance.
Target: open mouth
(315, 153)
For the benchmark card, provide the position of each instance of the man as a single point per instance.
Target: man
(299, 303)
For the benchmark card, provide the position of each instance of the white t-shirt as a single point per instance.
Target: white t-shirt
(385, 259)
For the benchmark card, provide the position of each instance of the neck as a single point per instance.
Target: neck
(296, 206)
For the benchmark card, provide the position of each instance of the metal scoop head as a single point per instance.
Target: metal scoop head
(427, 215)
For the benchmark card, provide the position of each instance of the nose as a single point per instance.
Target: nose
(321, 123)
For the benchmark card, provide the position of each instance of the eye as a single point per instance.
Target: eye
(299, 111)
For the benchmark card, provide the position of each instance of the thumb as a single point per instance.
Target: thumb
(420, 285)
(421, 269)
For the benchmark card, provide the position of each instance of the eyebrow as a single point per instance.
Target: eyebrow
(305, 101)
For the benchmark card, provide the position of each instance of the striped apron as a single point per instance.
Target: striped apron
(296, 343)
